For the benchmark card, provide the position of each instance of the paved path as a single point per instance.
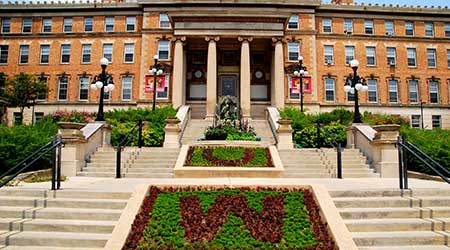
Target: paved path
(128, 184)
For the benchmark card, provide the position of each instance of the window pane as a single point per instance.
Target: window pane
(429, 29)
(329, 54)
(415, 121)
(349, 54)
(84, 88)
(293, 22)
(431, 55)
(412, 57)
(108, 51)
(389, 26)
(126, 87)
(62, 88)
(393, 91)
(45, 53)
(131, 22)
(42, 96)
(447, 30)
(329, 89)
(371, 57)
(88, 24)
(434, 92)
(26, 25)
(163, 50)
(129, 53)
(326, 25)
(24, 50)
(293, 51)
(6, 25)
(436, 121)
(391, 56)
(47, 25)
(109, 24)
(373, 90)
(65, 53)
(413, 91)
(409, 28)
(368, 26)
(4, 54)
(67, 25)
(348, 25)
(86, 53)
(164, 21)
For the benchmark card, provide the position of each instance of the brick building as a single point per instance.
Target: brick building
(244, 49)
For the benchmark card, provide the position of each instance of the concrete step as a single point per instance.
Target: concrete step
(55, 239)
(125, 175)
(131, 170)
(305, 175)
(379, 213)
(423, 247)
(62, 202)
(49, 225)
(371, 202)
(391, 192)
(71, 194)
(398, 238)
(59, 213)
(305, 171)
(45, 248)
(390, 225)
(368, 175)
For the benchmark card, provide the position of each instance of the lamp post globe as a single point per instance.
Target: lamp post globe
(105, 84)
(104, 61)
(353, 86)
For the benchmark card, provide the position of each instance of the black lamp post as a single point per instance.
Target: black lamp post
(300, 72)
(156, 69)
(353, 85)
(105, 83)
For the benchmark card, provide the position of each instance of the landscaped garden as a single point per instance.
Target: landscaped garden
(209, 218)
(227, 156)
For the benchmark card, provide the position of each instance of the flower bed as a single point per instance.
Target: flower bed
(221, 156)
(214, 218)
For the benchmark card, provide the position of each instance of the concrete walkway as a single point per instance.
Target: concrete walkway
(128, 184)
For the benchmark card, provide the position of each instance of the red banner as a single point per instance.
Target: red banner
(307, 85)
(160, 83)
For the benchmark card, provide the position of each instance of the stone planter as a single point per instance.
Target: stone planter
(284, 134)
(70, 130)
(172, 133)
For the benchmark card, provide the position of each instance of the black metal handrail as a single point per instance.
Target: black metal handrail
(55, 147)
(404, 147)
(124, 142)
(333, 143)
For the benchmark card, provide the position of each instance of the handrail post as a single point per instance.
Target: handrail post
(339, 161)
(58, 167)
(140, 134)
(405, 164)
(54, 163)
(318, 135)
(118, 160)
(400, 163)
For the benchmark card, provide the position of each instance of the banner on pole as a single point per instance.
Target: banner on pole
(307, 84)
(160, 83)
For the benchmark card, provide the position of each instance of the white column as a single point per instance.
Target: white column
(178, 86)
(278, 87)
(211, 77)
(245, 77)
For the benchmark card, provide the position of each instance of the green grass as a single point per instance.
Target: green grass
(164, 230)
(230, 153)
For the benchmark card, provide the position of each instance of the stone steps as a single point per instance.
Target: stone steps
(62, 202)
(134, 169)
(49, 225)
(398, 238)
(45, 248)
(424, 247)
(125, 175)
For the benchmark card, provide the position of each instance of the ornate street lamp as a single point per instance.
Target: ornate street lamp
(105, 83)
(156, 70)
(299, 72)
(353, 85)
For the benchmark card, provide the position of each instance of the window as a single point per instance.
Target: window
(131, 23)
(127, 83)
(163, 50)
(391, 56)
(6, 25)
(329, 89)
(370, 55)
(409, 28)
(63, 83)
(293, 22)
(411, 57)
(4, 54)
(326, 25)
(67, 26)
(293, 51)
(292, 95)
(45, 53)
(434, 92)
(389, 26)
(65, 53)
(447, 29)
(349, 54)
(164, 94)
(164, 21)
(23, 54)
(129, 53)
(47, 25)
(350, 97)
(436, 121)
(368, 27)
(86, 50)
(108, 51)
(106, 95)
(429, 29)
(18, 118)
(348, 26)
(88, 24)
(448, 58)
(42, 96)
(415, 121)
(431, 55)
(393, 91)
(38, 116)
(372, 92)
(413, 91)
(84, 88)
(328, 51)
(109, 24)
(26, 25)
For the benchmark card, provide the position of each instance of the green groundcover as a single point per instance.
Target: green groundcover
(229, 219)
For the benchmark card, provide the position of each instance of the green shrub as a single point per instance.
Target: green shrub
(18, 142)
(435, 143)
(307, 137)
(382, 119)
(72, 116)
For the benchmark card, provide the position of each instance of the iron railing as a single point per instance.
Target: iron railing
(124, 142)
(333, 143)
(54, 147)
(406, 149)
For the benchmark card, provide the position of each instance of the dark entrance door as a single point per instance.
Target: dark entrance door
(228, 85)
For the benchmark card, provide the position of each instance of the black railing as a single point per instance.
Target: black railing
(124, 142)
(333, 143)
(406, 149)
(54, 147)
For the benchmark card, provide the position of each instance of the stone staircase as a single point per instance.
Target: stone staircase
(147, 162)
(61, 220)
(195, 130)
(322, 163)
(390, 220)
(263, 130)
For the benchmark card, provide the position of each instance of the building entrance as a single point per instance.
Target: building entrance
(228, 85)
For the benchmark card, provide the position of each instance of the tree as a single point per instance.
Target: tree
(23, 90)
(3, 102)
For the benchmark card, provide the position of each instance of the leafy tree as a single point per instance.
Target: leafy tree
(3, 102)
(23, 90)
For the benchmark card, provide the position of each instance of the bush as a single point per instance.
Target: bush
(435, 143)
(307, 137)
(72, 116)
(382, 119)
(18, 142)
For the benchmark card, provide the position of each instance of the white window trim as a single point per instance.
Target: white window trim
(161, 27)
(168, 53)
(435, 59)
(84, 24)
(131, 89)
(437, 93)
(60, 59)
(79, 89)
(59, 88)
(415, 57)
(40, 54)
(298, 26)
(7, 58)
(371, 26)
(389, 92)
(413, 29)
(298, 51)
(325, 90)
(20, 54)
(331, 25)
(124, 52)
(126, 23)
(409, 91)
(112, 51)
(374, 56)
(71, 25)
(82, 54)
(113, 23)
(376, 91)
(325, 55)
(23, 25)
(51, 25)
